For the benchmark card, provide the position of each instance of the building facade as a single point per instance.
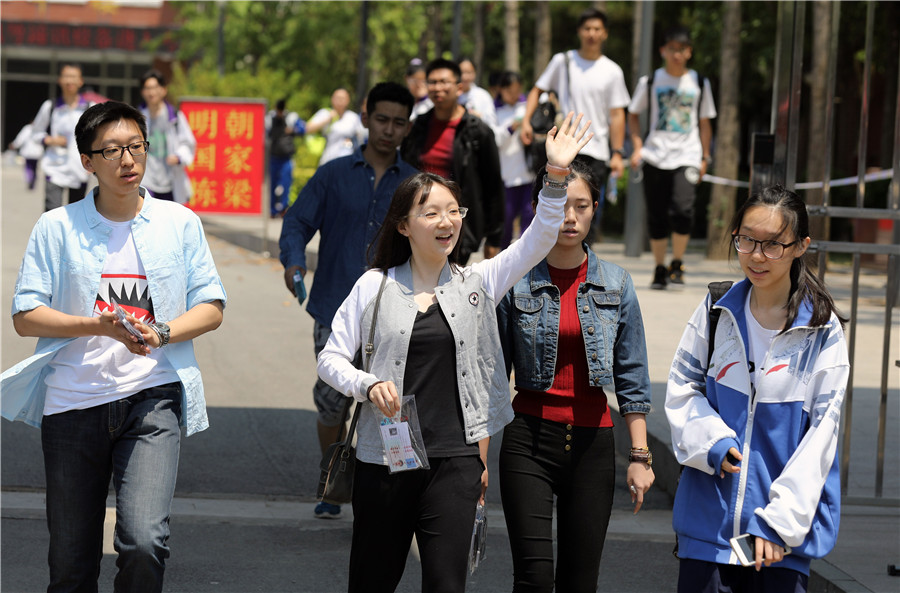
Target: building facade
(114, 41)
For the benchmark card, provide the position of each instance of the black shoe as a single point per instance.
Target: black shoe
(676, 272)
(659, 278)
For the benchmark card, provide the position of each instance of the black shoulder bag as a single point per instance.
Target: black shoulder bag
(339, 461)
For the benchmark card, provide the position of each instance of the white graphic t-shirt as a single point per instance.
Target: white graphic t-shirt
(674, 139)
(95, 370)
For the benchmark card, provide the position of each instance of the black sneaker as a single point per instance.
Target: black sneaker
(676, 272)
(659, 278)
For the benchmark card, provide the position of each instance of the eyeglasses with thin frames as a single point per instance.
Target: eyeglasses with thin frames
(432, 217)
(770, 249)
(441, 83)
(114, 153)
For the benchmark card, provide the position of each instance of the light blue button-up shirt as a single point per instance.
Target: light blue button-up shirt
(62, 267)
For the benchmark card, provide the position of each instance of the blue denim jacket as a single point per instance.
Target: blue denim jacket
(62, 267)
(611, 324)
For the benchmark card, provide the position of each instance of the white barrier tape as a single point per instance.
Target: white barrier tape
(722, 181)
(876, 176)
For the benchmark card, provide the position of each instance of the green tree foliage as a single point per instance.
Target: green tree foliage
(303, 50)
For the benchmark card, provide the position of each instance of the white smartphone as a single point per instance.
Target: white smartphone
(120, 313)
(744, 547)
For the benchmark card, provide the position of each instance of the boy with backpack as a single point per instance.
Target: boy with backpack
(675, 153)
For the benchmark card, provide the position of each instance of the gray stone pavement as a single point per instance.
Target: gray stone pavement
(242, 519)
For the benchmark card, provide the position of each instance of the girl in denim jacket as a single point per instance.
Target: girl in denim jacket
(570, 327)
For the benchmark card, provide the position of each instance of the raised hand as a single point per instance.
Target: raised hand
(564, 144)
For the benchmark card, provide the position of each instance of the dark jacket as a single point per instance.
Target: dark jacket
(476, 168)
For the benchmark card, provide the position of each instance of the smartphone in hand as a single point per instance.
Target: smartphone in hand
(120, 313)
(299, 287)
(744, 547)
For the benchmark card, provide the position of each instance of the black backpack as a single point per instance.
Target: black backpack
(542, 121)
(716, 291)
(282, 144)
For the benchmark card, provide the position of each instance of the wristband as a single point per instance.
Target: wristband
(619, 152)
(561, 185)
(561, 171)
(369, 390)
(641, 455)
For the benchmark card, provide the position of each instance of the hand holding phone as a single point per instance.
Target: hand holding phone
(120, 313)
(744, 547)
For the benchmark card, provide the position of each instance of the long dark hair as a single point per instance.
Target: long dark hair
(390, 247)
(805, 284)
(580, 170)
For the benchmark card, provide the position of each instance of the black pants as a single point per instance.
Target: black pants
(535, 466)
(670, 200)
(53, 194)
(437, 504)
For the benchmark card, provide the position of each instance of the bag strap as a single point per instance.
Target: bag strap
(369, 349)
(716, 291)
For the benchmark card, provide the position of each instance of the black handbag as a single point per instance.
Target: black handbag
(338, 463)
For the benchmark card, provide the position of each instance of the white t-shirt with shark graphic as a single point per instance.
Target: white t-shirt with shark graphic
(96, 370)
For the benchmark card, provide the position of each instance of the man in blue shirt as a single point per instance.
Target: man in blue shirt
(345, 201)
(115, 286)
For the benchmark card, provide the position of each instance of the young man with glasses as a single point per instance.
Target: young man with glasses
(451, 142)
(115, 286)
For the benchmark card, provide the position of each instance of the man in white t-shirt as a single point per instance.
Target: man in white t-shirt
(586, 81)
(675, 154)
(115, 286)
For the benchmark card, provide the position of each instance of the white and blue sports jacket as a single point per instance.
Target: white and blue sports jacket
(788, 489)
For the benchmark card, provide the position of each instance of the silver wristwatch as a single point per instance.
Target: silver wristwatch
(162, 330)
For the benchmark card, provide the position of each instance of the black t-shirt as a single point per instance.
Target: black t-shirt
(431, 377)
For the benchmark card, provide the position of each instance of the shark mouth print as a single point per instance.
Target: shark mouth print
(127, 297)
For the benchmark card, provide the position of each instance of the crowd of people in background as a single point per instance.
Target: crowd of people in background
(449, 214)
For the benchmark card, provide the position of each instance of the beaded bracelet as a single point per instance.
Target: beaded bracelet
(561, 171)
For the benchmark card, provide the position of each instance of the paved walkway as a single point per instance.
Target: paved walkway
(869, 539)
(250, 541)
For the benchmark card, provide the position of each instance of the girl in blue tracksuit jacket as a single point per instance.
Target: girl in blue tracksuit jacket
(757, 427)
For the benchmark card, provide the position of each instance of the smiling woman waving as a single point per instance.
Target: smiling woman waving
(436, 337)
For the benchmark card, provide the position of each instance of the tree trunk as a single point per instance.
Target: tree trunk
(727, 158)
(512, 35)
(542, 38)
(478, 51)
(437, 29)
(636, 29)
(818, 95)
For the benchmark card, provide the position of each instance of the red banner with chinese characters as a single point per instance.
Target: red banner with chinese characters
(228, 171)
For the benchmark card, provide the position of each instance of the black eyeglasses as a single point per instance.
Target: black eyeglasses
(114, 153)
(771, 249)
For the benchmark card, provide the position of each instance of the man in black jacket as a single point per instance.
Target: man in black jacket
(456, 145)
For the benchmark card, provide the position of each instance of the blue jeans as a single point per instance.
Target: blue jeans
(136, 441)
(699, 576)
(281, 176)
